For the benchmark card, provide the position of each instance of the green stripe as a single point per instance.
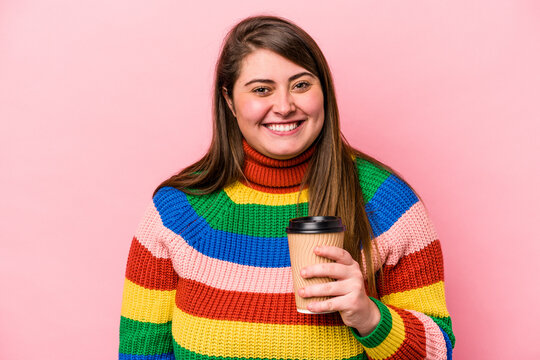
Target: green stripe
(221, 213)
(379, 334)
(446, 324)
(182, 353)
(214, 206)
(142, 338)
(371, 177)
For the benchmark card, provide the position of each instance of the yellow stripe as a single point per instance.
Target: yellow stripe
(392, 342)
(241, 194)
(213, 338)
(429, 300)
(141, 304)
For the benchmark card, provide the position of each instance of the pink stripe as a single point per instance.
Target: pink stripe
(435, 343)
(226, 275)
(149, 232)
(412, 232)
(164, 243)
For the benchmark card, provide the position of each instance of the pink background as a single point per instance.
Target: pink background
(101, 100)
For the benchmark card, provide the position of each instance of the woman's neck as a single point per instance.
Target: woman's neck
(272, 175)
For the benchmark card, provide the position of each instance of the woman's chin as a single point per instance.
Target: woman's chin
(284, 153)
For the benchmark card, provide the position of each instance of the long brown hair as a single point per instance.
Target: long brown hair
(332, 177)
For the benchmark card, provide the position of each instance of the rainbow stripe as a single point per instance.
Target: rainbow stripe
(209, 277)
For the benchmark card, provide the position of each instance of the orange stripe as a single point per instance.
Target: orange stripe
(269, 308)
(146, 270)
(416, 270)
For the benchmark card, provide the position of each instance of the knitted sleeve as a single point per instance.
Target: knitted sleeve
(149, 293)
(415, 323)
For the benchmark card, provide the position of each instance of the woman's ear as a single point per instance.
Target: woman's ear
(228, 99)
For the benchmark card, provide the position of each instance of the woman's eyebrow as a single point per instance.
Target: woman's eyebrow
(294, 77)
(268, 81)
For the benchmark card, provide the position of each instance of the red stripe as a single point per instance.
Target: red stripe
(416, 270)
(274, 176)
(148, 271)
(220, 304)
(414, 344)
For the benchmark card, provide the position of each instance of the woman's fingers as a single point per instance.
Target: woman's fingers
(339, 303)
(337, 254)
(345, 292)
(344, 266)
(331, 270)
(334, 288)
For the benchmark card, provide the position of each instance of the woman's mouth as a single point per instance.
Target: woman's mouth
(284, 127)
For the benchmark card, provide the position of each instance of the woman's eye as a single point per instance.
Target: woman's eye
(261, 91)
(303, 85)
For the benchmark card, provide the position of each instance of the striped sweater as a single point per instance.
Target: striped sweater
(209, 276)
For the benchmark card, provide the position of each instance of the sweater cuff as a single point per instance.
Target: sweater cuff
(377, 336)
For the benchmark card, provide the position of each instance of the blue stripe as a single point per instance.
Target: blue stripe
(448, 344)
(146, 357)
(391, 200)
(179, 216)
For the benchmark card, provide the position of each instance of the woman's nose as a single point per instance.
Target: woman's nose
(284, 103)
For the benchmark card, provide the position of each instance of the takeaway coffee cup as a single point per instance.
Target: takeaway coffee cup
(304, 234)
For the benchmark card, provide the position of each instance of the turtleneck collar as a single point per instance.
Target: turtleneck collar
(275, 176)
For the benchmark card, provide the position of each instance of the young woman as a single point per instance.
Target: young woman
(208, 273)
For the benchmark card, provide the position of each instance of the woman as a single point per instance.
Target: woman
(208, 273)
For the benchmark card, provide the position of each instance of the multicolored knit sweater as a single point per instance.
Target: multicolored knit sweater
(209, 277)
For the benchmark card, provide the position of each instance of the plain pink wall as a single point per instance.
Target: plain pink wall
(101, 100)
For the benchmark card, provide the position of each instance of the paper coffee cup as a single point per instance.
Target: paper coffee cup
(304, 234)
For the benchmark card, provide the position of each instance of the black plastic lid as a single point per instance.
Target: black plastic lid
(315, 225)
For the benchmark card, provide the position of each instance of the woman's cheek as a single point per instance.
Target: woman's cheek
(253, 110)
(312, 104)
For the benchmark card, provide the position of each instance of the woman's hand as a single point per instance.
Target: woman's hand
(348, 293)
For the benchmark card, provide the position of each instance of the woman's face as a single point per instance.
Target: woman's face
(278, 104)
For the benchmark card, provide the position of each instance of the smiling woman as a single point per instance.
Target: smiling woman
(278, 104)
(209, 274)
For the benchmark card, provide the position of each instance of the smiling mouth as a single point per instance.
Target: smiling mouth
(284, 127)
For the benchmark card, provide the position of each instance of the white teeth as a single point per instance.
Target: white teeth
(283, 127)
